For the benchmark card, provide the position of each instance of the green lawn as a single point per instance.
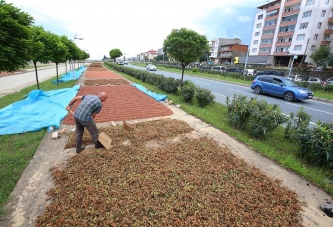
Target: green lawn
(17, 150)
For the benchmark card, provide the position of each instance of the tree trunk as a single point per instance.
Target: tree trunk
(35, 64)
(181, 83)
(57, 71)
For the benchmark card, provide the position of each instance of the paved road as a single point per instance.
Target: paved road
(16, 82)
(320, 111)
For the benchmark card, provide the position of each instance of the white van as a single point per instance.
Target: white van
(250, 72)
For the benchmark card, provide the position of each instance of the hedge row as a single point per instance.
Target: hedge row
(169, 85)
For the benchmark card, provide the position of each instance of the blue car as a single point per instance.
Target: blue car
(281, 87)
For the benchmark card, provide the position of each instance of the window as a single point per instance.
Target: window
(327, 2)
(260, 16)
(312, 48)
(303, 25)
(323, 13)
(309, 2)
(257, 34)
(254, 50)
(300, 37)
(297, 47)
(319, 25)
(315, 37)
(255, 42)
(259, 25)
(307, 13)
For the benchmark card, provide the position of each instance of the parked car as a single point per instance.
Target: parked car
(281, 87)
(151, 67)
(125, 62)
(235, 70)
(250, 72)
(316, 80)
(271, 73)
(330, 80)
(220, 68)
(295, 77)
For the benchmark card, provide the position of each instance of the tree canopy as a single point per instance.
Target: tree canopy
(115, 53)
(15, 37)
(185, 46)
(323, 56)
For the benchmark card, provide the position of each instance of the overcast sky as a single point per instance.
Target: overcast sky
(137, 26)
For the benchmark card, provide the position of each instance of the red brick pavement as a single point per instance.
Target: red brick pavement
(125, 102)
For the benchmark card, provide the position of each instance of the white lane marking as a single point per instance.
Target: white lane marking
(219, 94)
(203, 83)
(309, 108)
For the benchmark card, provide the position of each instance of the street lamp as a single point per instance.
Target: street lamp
(292, 63)
(77, 38)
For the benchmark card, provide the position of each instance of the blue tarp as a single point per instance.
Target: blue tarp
(39, 110)
(72, 75)
(157, 97)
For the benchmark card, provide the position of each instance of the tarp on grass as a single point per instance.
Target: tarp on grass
(72, 75)
(39, 110)
(157, 97)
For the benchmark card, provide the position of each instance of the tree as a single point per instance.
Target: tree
(185, 46)
(114, 54)
(15, 37)
(40, 48)
(59, 51)
(322, 55)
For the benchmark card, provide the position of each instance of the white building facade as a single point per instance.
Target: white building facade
(285, 28)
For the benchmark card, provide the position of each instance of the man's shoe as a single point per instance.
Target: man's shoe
(78, 152)
(98, 145)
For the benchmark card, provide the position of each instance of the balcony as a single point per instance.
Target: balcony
(330, 20)
(271, 18)
(265, 45)
(279, 44)
(287, 23)
(263, 53)
(269, 27)
(328, 32)
(292, 3)
(290, 13)
(277, 6)
(267, 36)
(325, 43)
(280, 54)
(284, 34)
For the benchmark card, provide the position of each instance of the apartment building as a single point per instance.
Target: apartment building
(224, 50)
(285, 28)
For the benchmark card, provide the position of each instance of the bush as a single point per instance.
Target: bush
(204, 97)
(264, 118)
(296, 124)
(169, 85)
(328, 88)
(257, 117)
(238, 112)
(317, 145)
(188, 91)
(195, 70)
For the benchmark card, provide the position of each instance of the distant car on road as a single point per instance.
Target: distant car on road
(316, 80)
(270, 73)
(250, 72)
(151, 67)
(235, 70)
(219, 68)
(330, 80)
(281, 87)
